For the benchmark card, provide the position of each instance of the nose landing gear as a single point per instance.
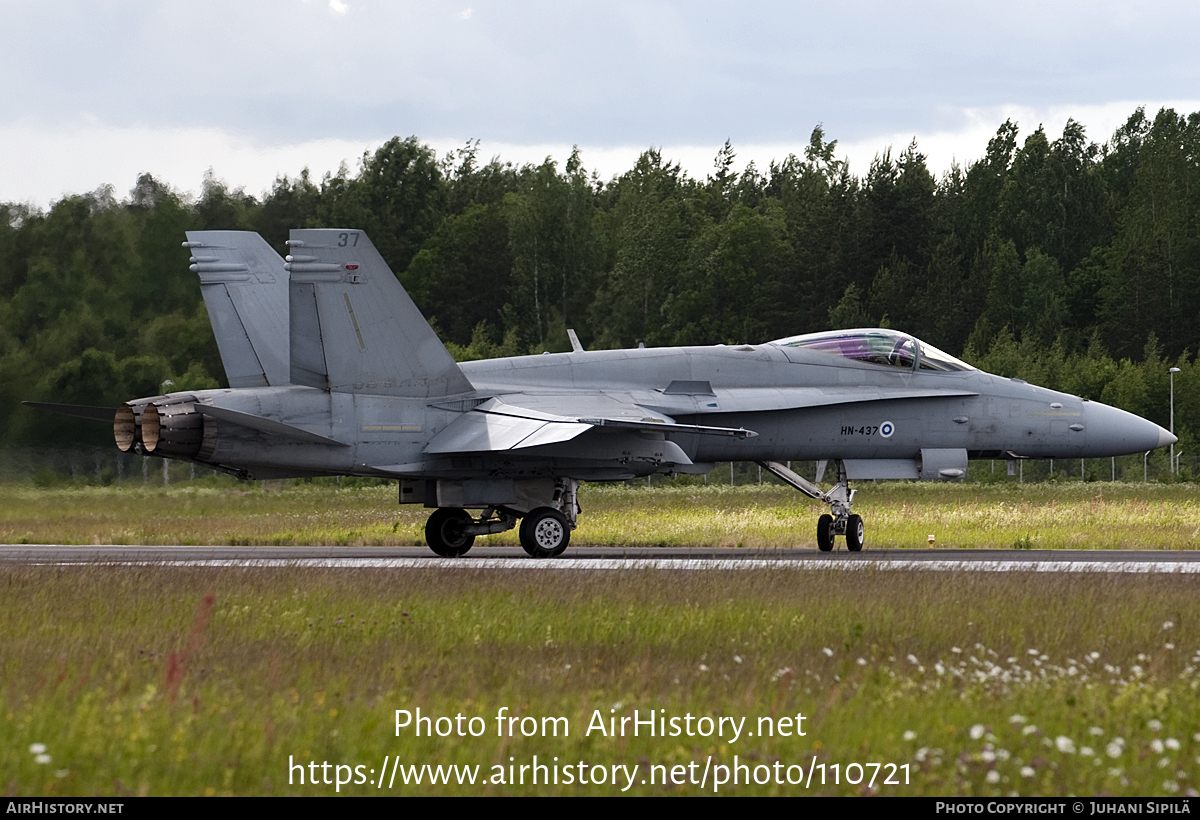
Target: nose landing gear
(840, 520)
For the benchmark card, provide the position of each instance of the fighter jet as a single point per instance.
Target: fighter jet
(333, 371)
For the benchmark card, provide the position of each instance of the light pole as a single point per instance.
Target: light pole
(1173, 371)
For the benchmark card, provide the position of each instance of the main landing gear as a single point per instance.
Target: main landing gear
(545, 531)
(839, 520)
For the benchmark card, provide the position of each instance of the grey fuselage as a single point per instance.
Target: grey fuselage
(803, 405)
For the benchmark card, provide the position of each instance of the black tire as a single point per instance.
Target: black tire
(855, 533)
(824, 534)
(544, 533)
(445, 532)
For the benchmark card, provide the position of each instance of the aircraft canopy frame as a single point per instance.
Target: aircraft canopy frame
(880, 346)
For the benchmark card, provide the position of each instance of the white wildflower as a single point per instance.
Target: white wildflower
(1065, 744)
(1086, 751)
(1168, 624)
(1114, 749)
(993, 776)
(1027, 771)
(828, 652)
(1154, 725)
(1156, 746)
(1029, 730)
(1172, 744)
(37, 748)
(910, 735)
(1095, 731)
(977, 731)
(42, 759)
(1017, 719)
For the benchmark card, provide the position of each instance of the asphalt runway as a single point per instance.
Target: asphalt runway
(614, 558)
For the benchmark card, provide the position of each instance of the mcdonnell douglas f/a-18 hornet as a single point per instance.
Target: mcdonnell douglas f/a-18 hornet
(333, 371)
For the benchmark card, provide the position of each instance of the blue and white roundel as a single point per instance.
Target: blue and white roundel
(886, 429)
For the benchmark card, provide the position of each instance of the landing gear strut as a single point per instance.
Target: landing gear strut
(451, 531)
(839, 520)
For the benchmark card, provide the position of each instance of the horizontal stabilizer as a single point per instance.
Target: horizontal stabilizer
(263, 425)
(79, 411)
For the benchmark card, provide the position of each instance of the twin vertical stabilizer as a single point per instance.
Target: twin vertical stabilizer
(332, 316)
(245, 289)
(354, 329)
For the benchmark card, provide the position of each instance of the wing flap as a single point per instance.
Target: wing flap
(476, 431)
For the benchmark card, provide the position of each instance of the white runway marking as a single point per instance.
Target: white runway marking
(686, 564)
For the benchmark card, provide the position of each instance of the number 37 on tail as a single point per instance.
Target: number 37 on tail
(332, 370)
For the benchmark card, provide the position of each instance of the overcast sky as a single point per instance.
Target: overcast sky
(98, 92)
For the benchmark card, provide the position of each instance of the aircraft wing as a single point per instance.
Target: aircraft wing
(521, 421)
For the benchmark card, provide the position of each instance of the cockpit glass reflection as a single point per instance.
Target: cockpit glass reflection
(934, 359)
(877, 346)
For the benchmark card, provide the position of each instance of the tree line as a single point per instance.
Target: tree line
(1072, 264)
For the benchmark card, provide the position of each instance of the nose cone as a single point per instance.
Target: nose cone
(1113, 432)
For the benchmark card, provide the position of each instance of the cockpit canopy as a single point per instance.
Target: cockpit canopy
(877, 346)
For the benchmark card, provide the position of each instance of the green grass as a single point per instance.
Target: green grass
(191, 681)
(1068, 515)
